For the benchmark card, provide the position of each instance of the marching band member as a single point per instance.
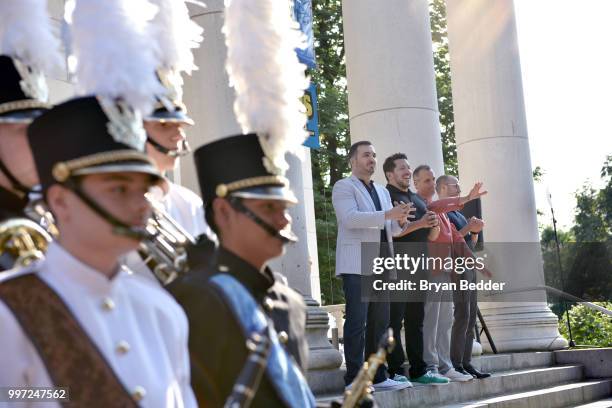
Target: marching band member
(24, 56)
(246, 206)
(246, 194)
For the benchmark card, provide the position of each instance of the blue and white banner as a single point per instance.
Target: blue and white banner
(302, 12)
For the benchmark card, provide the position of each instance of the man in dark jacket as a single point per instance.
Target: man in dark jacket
(226, 302)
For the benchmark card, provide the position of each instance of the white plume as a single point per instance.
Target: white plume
(263, 68)
(176, 35)
(115, 58)
(26, 33)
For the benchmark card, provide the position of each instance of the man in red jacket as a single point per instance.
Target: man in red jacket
(439, 306)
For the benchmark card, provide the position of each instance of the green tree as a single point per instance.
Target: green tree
(437, 11)
(329, 163)
(589, 327)
(589, 273)
(586, 250)
(593, 217)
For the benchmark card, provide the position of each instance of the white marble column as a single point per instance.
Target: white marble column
(209, 100)
(391, 81)
(492, 146)
(300, 260)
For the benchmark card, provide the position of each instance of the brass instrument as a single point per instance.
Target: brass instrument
(165, 250)
(22, 241)
(359, 389)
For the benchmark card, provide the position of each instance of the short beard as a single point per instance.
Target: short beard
(403, 184)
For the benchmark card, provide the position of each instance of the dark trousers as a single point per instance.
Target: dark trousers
(364, 325)
(462, 333)
(412, 315)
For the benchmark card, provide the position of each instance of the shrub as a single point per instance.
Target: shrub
(589, 327)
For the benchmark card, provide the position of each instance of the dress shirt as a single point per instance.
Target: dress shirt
(376, 200)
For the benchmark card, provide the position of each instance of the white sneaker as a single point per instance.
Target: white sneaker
(389, 385)
(456, 376)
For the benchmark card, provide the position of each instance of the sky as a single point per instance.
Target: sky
(566, 61)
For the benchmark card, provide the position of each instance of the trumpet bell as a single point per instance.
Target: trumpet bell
(22, 242)
(165, 250)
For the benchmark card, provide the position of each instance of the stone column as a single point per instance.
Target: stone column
(391, 81)
(210, 100)
(300, 261)
(492, 146)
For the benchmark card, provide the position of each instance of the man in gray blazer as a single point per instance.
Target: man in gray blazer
(365, 214)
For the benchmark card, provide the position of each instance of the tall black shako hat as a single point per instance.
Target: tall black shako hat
(88, 135)
(28, 47)
(246, 177)
(234, 166)
(18, 102)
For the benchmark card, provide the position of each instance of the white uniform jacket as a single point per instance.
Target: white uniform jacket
(138, 327)
(187, 209)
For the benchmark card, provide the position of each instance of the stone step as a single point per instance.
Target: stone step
(559, 396)
(514, 361)
(331, 382)
(505, 382)
(602, 403)
(500, 383)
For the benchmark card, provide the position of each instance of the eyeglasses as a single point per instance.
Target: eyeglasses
(454, 184)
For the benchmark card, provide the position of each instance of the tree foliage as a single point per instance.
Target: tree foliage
(586, 249)
(589, 327)
(437, 11)
(329, 163)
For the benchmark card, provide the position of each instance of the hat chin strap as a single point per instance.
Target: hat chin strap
(119, 227)
(285, 235)
(16, 184)
(183, 150)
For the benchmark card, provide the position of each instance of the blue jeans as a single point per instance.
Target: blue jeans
(364, 325)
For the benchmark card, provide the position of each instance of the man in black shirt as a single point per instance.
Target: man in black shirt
(409, 309)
